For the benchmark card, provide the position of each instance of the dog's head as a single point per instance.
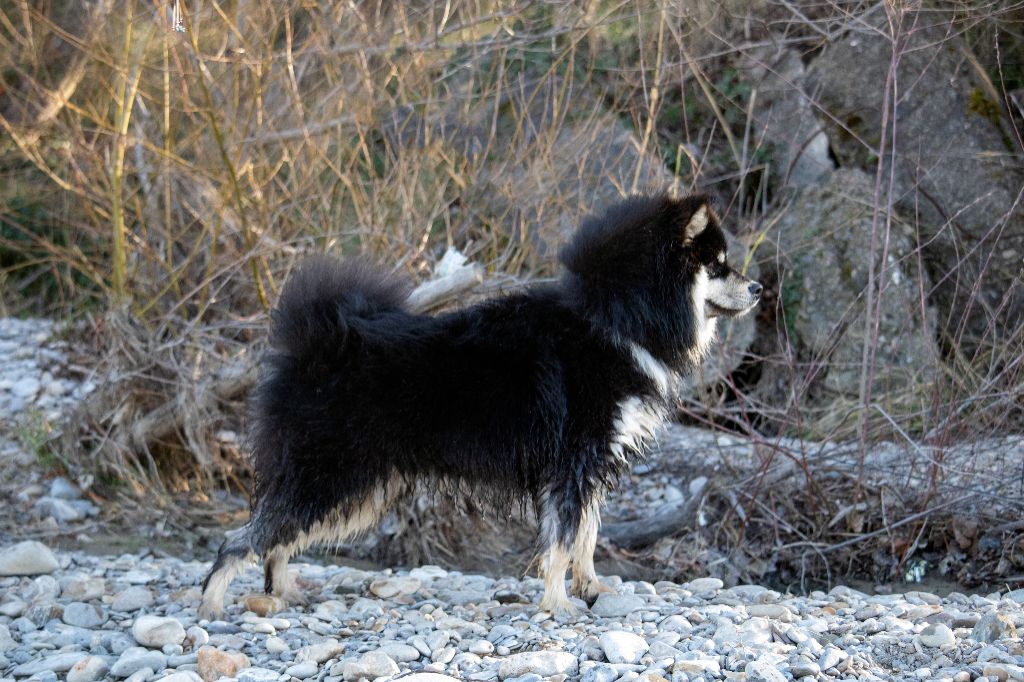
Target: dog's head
(719, 287)
(655, 270)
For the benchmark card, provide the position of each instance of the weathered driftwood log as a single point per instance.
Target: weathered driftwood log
(647, 531)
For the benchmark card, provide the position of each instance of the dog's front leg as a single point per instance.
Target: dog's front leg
(585, 583)
(556, 554)
(555, 600)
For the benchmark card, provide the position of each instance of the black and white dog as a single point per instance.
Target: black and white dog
(543, 397)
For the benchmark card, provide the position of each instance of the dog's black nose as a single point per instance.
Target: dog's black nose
(755, 289)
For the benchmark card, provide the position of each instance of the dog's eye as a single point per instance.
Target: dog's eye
(718, 270)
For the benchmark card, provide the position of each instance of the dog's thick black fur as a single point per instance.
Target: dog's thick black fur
(542, 397)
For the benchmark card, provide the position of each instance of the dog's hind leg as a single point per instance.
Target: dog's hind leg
(585, 583)
(344, 522)
(233, 554)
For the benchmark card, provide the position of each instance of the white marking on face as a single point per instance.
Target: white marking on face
(705, 325)
(731, 292)
(721, 257)
(653, 368)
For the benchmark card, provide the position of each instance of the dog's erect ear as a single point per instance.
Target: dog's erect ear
(698, 221)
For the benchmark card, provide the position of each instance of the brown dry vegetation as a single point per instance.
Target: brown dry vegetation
(158, 185)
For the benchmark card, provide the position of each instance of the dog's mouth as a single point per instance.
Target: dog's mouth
(714, 310)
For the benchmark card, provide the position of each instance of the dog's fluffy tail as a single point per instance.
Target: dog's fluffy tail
(322, 297)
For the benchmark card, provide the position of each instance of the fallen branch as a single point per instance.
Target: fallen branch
(647, 531)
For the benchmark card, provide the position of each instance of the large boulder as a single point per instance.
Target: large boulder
(953, 167)
(786, 119)
(824, 242)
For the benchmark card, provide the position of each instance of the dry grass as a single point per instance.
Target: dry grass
(159, 185)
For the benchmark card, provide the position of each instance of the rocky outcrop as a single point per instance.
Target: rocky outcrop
(787, 122)
(953, 168)
(824, 237)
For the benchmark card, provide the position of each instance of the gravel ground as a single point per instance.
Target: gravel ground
(36, 375)
(84, 617)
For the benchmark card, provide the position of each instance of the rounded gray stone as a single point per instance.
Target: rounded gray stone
(609, 605)
(256, 675)
(27, 558)
(623, 647)
(88, 669)
(57, 663)
(157, 631)
(543, 663)
(132, 599)
(84, 615)
(136, 658)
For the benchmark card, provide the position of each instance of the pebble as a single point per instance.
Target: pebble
(257, 675)
(698, 665)
(610, 605)
(212, 663)
(27, 558)
(85, 589)
(937, 635)
(276, 645)
(763, 671)
(84, 615)
(702, 585)
(804, 669)
(320, 652)
(57, 663)
(262, 604)
(60, 510)
(136, 658)
(623, 647)
(140, 675)
(390, 587)
(184, 676)
(132, 599)
(26, 387)
(543, 663)
(404, 653)
(88, 669)
(831, 657)
(370, 665)
(773, 611)
(302, 670)
(992, 627)
(157, 631)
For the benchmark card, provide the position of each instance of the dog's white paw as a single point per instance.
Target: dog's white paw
(292, 596)
(588, 591)
(559, 607)
(210, 611)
